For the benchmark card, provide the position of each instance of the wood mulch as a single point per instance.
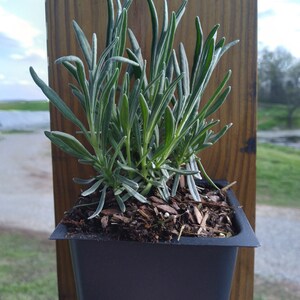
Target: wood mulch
(158, 220)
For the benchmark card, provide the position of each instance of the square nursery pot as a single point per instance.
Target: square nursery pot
(192, 268)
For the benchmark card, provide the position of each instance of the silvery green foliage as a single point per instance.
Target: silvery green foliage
(143, 129)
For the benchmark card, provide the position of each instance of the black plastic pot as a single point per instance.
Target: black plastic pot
(193, 268)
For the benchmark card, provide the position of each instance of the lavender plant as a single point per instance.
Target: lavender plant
(145, 129)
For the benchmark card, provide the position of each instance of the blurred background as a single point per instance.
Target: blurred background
(27, 258)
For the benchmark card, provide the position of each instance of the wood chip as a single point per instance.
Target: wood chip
(198, 215)
(167, 208)
(214, 198)
(199, 230)
(180, 232)
(104, 221)
(120, 218)
(110, 211)
(225, 188)
(203, 222)
(174, 231)
(174, 205)
(156, 200)
(228, 220)
(144, 214)
(191, 217)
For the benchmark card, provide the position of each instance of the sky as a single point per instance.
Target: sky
(279, 25)
(22, 43)
(23, 40)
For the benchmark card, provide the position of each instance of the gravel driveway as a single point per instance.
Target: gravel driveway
(278, 230)
(26, 181)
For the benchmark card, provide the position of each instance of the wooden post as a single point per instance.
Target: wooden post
(233, 158)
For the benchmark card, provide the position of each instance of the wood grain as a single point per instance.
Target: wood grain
(233, 158)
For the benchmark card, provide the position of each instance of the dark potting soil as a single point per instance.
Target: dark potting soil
(158, 220)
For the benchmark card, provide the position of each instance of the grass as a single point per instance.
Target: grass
(265, 289)
(278, 170)
(27, 266)
(275, 116)
(14, 131)
(41, 105)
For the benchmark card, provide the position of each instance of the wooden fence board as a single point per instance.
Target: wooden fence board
(233, 158)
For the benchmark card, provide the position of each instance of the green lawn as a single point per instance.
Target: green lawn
(278, 174)
(274, 116)
(27, 266)
(41, 105)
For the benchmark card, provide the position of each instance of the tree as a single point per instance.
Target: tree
(272, 67)
(279, 80)
(292, 92)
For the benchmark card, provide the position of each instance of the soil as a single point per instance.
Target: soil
(157, 220)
